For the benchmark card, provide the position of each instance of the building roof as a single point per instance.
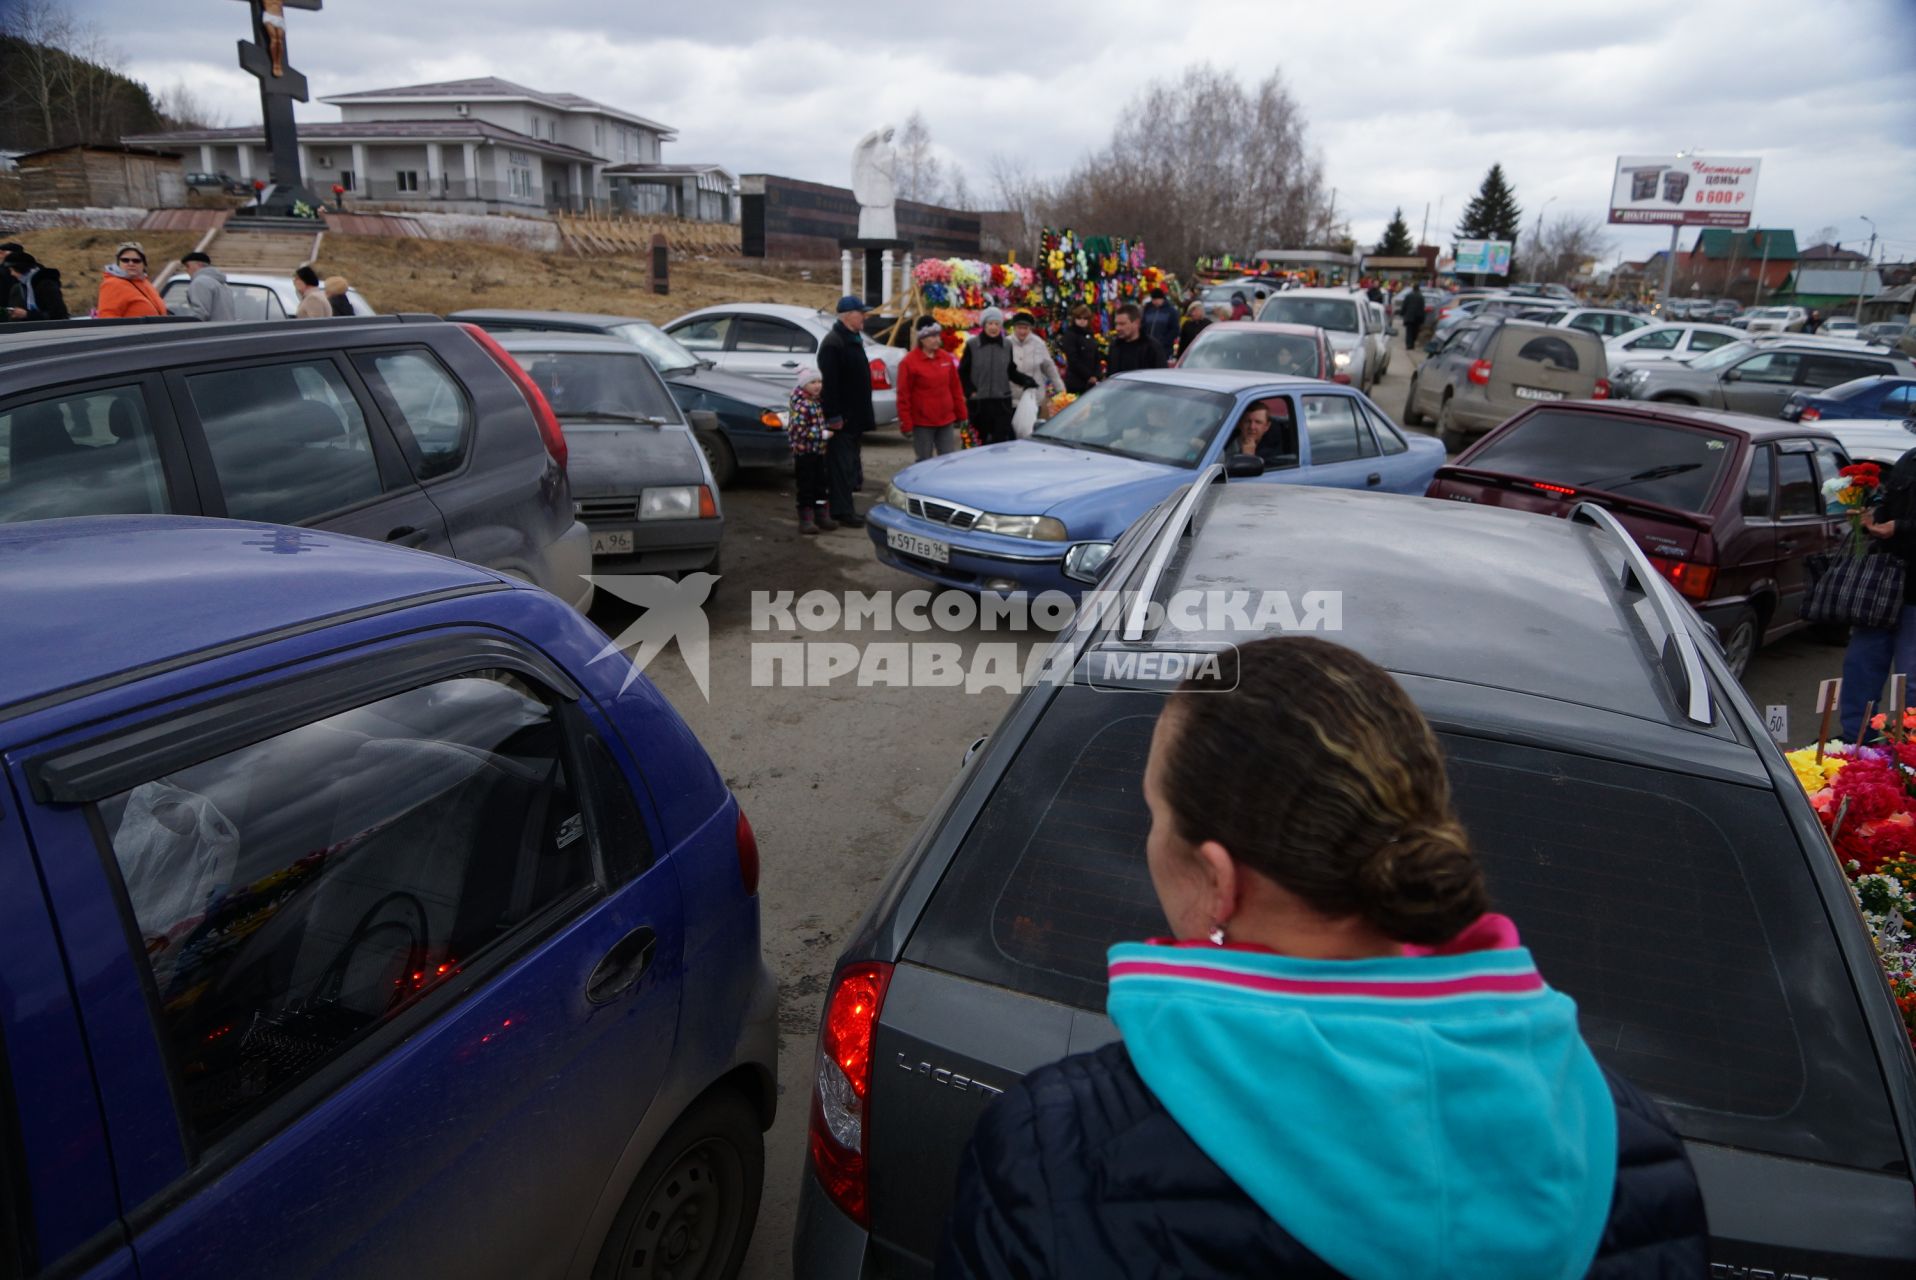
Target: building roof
(494, 89)
(150, 153)
(1830, 253)
(1825, 282)
(1720, 242)
(376, 131)
(710, 177)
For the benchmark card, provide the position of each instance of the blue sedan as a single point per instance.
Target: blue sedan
(1881, 396)
(1041, 514)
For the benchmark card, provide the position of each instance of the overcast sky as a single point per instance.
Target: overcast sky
(1409, 102)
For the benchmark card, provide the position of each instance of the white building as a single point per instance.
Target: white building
(484, 145)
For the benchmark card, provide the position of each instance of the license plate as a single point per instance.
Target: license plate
(913, 545)
(614, 542)
(1538, 393)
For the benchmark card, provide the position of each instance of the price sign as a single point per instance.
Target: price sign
(1776, 718)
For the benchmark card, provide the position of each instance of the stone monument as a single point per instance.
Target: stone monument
(874, 186)
(279, 88)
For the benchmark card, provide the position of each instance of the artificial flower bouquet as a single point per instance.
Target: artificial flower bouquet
(1856, 489)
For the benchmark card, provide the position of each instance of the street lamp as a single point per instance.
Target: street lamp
(1862, 279)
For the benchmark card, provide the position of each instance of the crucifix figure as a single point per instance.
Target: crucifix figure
(264, 56)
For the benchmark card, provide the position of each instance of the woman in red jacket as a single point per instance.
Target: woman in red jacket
(931, 400)
(124, 288)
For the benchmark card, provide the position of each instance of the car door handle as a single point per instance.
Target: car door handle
(1786, 544)
(1373, 478)
(789, 364)
(406, 536)
(622, 966)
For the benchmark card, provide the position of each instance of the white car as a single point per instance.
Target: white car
(1605, 322)
(1380, 344)
(1839, 327)
(1778, 320)
(1345, 318)
(1881, 440)
(772, 340)
(1675, 341)
(257, 295)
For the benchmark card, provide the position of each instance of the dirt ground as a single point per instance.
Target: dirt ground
(438, 276)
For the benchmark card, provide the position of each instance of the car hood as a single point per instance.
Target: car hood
(756, 392)
(1030, 477)
(1871, 439)
(609, 459)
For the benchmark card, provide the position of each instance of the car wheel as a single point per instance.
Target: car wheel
(690, 1212)
(1411, 417)
(1453, 437)
(719, 456)
(1740, 640)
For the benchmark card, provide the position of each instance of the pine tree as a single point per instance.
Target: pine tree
(1396, 242)
(1492, 213)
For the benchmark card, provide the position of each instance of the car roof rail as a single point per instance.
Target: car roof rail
(1175, 531)
(1681, 663)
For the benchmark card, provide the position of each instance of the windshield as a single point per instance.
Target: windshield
(1325, 313)
(581, 384)
(1673, 466)
(1151, 422)
(665, 353)
(1724, 355)
(1288, 353)
(1772, 313)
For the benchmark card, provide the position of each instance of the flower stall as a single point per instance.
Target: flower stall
(1865, 797)
(954, 291)
(1102, 272)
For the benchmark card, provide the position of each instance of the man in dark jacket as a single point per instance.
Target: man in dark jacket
(33, 291)
(847, 401)
(1412, 311)
(1160, 321)
(1130, 348)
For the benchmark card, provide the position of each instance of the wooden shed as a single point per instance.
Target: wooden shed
(101, 177)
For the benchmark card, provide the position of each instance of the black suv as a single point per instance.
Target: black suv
(404, 429)
(1633, 818)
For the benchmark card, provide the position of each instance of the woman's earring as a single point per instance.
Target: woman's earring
(1217, 935)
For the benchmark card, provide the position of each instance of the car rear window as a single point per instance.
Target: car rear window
(1652, 461)
(1290, 353)
(1669, 907)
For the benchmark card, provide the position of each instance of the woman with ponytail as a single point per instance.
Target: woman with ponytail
(1340, 1062)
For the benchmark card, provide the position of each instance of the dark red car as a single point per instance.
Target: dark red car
(1726, 505)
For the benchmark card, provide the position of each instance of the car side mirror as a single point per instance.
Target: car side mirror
(1243, 466)
(1732, 375)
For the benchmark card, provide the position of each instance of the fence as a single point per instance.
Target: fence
(601, 234)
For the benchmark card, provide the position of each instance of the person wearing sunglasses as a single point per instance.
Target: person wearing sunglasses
(124, 289)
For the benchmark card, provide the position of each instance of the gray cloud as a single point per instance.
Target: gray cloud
(1409, 104)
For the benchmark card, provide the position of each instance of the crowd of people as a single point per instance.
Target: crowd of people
(34, 292)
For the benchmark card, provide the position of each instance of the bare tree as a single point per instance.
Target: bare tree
(919, 173)
(42, 28)
(957, 190)
(183, 107)
(1197, 166)
(1565, 243)
(1014, 190)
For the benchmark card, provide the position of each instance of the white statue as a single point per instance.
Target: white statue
(874, 163)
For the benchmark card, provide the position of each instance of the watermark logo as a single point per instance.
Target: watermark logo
(673, 610)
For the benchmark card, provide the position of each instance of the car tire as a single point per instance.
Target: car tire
(691, 1209)
(1741, 637)
(1454, 440)
(719, 456)
(1411, 416)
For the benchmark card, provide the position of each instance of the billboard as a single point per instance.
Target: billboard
(1483, 257)
(1685, 191)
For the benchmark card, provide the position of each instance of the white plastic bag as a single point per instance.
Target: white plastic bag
(176, 852)
(1025, 416)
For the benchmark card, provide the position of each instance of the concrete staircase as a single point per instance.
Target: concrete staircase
(273, 252)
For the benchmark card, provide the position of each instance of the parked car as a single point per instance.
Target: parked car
(1840, 327)
(1253, 346)
(1344, 317)
(201, 180)
(1723, 309)
(1885, 333)
(1882, 440)
(418, 937)
(1606, 323)
(1873, 397)
(1758, 376)
(749, 413)
(1491, 368)
(1727, 506)
(257, 295)
(639, 480)
(1679, 341)
(399, 429)
(1456, 311)
(1041, 514)
(1628, 807)
(1778, 320)
(770, 341)
(1382, 329)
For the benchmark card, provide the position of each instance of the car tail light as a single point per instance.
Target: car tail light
(841, 1091)
(1692, 580)
(1480, 372)
(1603, 390)
(1811, 414)
(541, 410)
(881, 379)
(708, 505)
(1344, 378)
(747, 854)
(1562, 491)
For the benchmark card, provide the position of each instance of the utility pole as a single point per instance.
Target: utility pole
(1729, 280)
(1669, 271)
(1862, 280)
(1762, 272)
(1423, 237)
(1537, 248)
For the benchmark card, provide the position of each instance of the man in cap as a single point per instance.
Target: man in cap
(845, 370)
(207, 296)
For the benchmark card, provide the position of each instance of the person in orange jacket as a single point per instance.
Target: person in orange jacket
(124, 289)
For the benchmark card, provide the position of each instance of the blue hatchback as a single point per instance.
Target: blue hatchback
(1042, 514)
(1881, 396)
(356, 920)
